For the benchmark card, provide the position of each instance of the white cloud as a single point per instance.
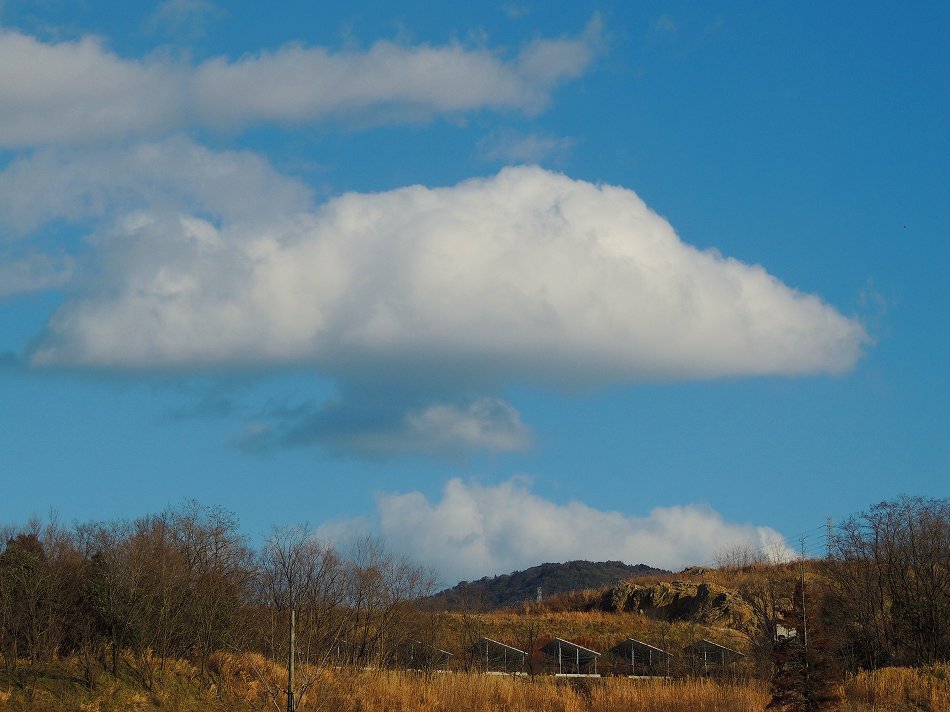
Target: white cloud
(80, 91)
(298, 84)
(526, 275)
(477, 530)
(74, 91)
(486, 424)
(422, 304)
(512, 147)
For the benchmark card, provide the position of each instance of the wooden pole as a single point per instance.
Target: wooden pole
(291, 707)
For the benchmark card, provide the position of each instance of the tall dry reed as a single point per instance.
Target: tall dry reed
(925, 688)
(390, 691)
(242, 683)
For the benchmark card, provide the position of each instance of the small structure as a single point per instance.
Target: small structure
(416, 655)
(572, 659)
(710, 653)
(498, 657)
(644, 659)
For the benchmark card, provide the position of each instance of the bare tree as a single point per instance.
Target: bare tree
(381, 595)
(890, 583)
(470, 609)
(767, 594)
(220, 570)
(740, 556)
(528, 637)
(301, 581)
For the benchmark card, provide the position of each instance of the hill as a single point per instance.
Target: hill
(491, 593)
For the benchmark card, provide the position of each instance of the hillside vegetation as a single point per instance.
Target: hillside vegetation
(518, 587)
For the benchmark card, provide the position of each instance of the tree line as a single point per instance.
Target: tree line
(185, 583)
(130, 595)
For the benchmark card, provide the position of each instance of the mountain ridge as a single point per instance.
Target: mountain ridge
(505, 590)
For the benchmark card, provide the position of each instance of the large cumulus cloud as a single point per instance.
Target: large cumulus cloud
(525, 275)
(422, 303)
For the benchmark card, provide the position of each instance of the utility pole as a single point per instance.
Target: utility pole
(828, 535)
(804, 617)
(291, 707)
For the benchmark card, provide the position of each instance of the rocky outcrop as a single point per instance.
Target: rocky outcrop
(704, 603)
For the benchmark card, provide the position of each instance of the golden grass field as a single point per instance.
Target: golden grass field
(248, 682)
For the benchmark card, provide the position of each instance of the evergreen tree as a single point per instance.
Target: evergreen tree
(806, 677)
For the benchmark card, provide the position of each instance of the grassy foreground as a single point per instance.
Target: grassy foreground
(248, 682)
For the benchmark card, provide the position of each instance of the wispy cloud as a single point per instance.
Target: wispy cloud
(56, 93)
(663, 25)
(174, 176)
(182, 19)
(476, 530)
(382, 428)
(513, 147)
(516, 10)
(33, 272)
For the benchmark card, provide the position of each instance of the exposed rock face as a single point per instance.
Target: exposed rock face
(678, 601)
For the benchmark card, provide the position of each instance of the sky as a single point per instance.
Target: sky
(500, 285)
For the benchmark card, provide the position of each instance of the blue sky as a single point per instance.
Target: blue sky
(510, 284)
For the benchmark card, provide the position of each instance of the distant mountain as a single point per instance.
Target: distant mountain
(511, 589)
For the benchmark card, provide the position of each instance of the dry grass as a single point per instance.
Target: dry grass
(900, 689)
(242, 683)
(699, 695)
(389, 691)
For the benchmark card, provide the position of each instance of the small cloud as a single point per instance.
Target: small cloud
(256, 438)
(663, 25)
(505, 146)
(516, 10)
(875, 308)
(662, 33)
(369, 429)
(486, 424)
(183, 19)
